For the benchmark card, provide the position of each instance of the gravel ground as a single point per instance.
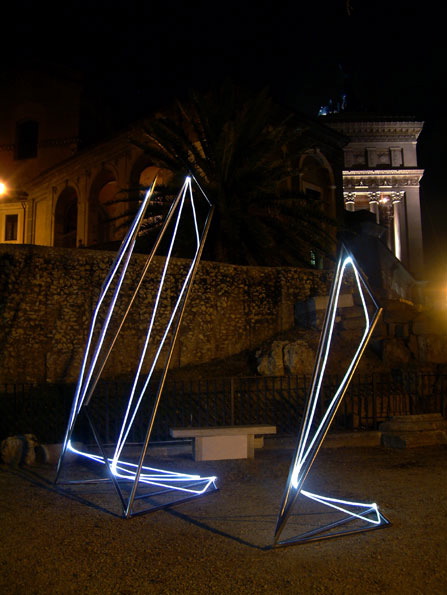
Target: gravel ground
(52, 543)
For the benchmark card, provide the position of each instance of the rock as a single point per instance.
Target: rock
(19, 450)
(396, 351)
(271, 362)
(432, 348)
(298, 357)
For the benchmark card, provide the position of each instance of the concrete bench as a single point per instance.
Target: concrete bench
(224, 442)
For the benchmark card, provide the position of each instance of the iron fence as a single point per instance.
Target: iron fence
(44, 409)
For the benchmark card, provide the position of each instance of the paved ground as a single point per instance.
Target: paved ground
(52, 543)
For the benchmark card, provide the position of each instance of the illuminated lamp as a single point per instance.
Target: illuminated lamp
(3, 188)
(358, 516)
(140, 488)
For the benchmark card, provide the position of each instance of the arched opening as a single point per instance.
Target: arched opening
(148, 174)
(105, 211)
(66, 219)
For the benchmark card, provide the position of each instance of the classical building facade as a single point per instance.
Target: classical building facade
(381, 175)
(39, 128)
(58, 193)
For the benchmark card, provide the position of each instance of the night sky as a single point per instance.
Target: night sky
(387, 57)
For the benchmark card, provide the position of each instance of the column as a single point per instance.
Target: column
(396, 197)
(374, 198)
(411, 222)
(349, 201)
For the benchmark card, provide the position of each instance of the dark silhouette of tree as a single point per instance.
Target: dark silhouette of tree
(243, 150)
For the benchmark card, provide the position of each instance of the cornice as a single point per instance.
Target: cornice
(383, 172)
(381, 178)
(379, 131)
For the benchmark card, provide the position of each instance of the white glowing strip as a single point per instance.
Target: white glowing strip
(119, 468)
(301, 459)
(83, 384)
(193, 208)
(124, 433)
(351, 365)
(309, 420)
(125, 430)
(334, 503)
(159, 477)
(122, 437)
(304, 454)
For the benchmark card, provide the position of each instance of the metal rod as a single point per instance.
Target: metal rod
(168, 359)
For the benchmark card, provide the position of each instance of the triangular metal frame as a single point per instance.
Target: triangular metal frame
(309, 442)
(171, 487)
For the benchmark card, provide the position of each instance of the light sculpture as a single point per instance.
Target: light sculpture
(161, 488)
(365, 516)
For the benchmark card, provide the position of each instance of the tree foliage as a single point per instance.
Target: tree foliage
(243, 151)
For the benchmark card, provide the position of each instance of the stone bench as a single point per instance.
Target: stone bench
(224, 442)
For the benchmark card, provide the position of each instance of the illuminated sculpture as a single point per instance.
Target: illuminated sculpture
(133, 481)
(313, 432)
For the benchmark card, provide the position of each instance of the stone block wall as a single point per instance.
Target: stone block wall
(47, 296)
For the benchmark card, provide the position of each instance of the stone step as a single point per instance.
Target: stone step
(404, 431)
(414, 423)
(413, 439)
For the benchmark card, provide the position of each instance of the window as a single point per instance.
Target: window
(27, 135)
(11, 225)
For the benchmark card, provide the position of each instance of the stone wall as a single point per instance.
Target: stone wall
(408, 336)
(47, 296)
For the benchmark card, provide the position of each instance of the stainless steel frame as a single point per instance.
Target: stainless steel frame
(310, 440)
(100, 343)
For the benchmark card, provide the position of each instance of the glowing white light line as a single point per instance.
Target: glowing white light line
(302, 456)
(193, 208)
(348, 372)
(168, 327)
(192, 484)
(201, 189)
(323, 366)
(158, 479)
(82, 385)
(125, 432)
(332, 502)
(301, 459)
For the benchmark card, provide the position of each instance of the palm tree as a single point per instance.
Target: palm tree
(241, 147)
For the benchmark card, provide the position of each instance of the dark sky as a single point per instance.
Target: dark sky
(388, 56)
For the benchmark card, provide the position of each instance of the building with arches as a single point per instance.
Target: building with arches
(61, 194)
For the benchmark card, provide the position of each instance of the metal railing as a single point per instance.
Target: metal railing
(43, 409)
